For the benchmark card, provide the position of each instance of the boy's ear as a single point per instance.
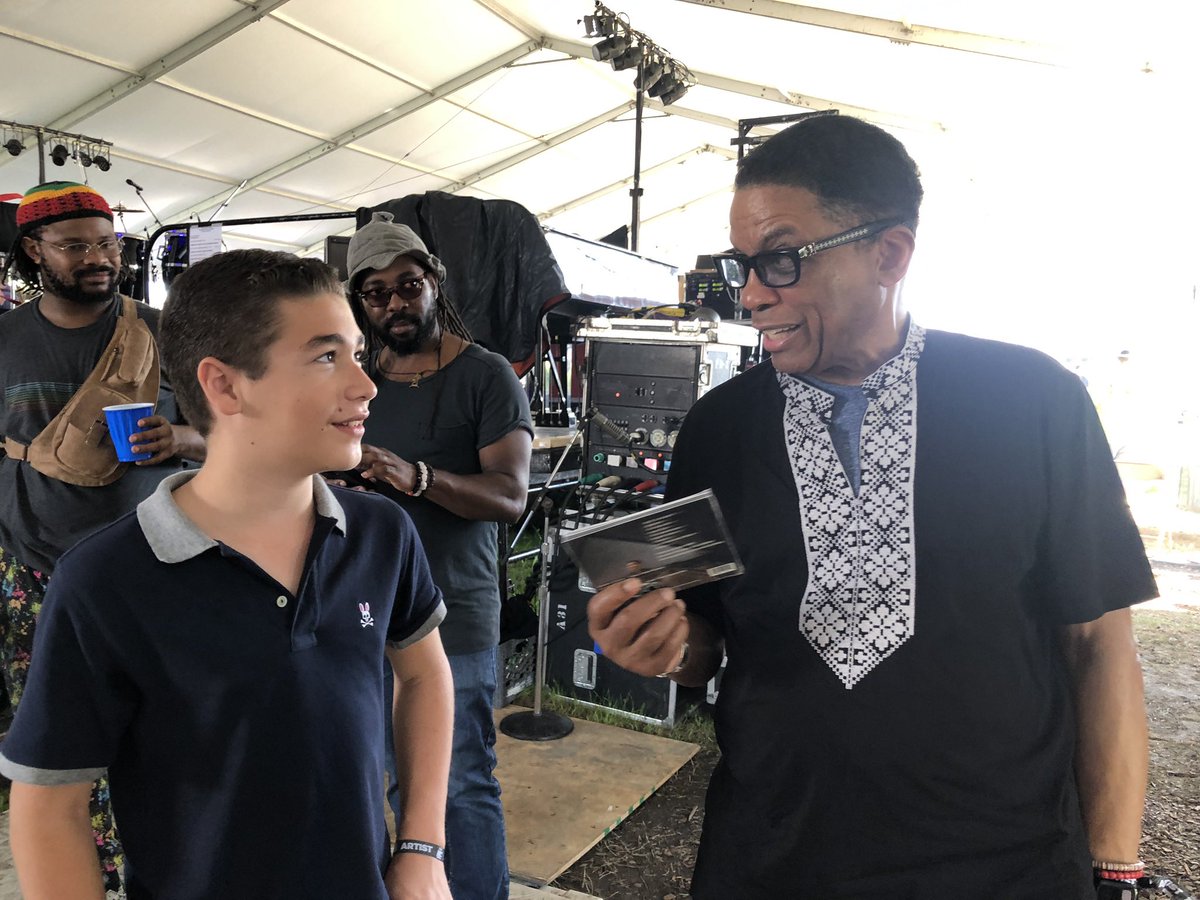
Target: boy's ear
(221, 385)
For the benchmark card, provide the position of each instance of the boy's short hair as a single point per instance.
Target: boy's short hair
(858, 171)
(227, 307)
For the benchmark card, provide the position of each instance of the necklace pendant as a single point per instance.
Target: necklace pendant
(416, 380)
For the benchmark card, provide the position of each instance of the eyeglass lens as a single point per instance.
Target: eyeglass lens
(81, 249)
(773, 269)
(382, 296)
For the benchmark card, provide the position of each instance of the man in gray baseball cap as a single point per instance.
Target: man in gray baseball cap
(449, 439)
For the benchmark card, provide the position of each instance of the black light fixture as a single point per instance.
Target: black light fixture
(623, 47)
(657, 73)
(675, 92)
(610, 47)
(629, 59)
(61, 145)
(664, 84)
(599, 25)
(649, 74)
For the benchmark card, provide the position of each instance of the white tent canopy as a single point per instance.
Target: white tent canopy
(1052, 137)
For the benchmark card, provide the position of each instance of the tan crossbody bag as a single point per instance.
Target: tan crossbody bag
(75, 447)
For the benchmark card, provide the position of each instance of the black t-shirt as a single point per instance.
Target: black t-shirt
(445, 421)
(947, 769)
(41, 368)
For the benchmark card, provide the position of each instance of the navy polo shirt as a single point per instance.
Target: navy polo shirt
(239, 723)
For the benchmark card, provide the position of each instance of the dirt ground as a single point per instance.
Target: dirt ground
(650, 856)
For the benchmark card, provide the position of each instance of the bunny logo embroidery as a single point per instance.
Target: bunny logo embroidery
(364, 610)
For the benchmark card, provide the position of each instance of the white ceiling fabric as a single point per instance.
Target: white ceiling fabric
(1068, 179)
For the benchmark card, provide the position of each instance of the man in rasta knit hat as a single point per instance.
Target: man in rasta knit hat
(66, 246)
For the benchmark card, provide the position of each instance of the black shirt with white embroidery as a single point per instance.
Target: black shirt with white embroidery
(896, 720)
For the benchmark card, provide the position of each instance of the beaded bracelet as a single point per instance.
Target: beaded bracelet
(421, 483)
(1130, 877)
(1118, 867)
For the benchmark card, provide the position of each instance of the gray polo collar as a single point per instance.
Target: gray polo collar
(175, 538)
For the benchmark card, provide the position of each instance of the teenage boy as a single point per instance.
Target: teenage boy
(218, 650)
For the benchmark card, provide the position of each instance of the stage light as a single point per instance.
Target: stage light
(665, 83)
(84, 158)
(649, 75)
(629, 59)
(102, 163)
(14, 147)
(59, 155)
(598, 26)
(610, 47)
(674, 93)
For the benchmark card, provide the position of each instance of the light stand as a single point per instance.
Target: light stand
(635, 192)
(537, 724)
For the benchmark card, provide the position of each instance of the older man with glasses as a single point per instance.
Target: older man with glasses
(66, 252)
(932, 686)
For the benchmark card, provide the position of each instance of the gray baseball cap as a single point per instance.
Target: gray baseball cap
(381, 242)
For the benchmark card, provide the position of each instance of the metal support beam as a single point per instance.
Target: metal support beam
(545, 145)
(314, 202)
(516, 158)
(625, 182)
(366, 128)
(245, 110)
(727, 189)
(502, 12)
(720, 82)
(172, 60)
(346, 50)
(896, 32)
(694, 114)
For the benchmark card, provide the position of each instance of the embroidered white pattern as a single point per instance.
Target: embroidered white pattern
(365, 620)
(860, 601)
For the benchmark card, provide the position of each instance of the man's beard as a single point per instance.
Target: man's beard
(404, 346)
(76, 292)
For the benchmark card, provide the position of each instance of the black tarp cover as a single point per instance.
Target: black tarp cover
(500, 271)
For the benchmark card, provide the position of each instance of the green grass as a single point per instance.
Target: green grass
(695, 725)
(522, 570)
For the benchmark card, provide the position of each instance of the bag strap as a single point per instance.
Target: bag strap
(127, 319)
(15, 449)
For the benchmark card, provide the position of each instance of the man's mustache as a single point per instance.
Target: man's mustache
(95, 270)
(397, 318)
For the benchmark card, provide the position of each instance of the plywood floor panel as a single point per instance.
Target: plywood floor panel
(562, 797)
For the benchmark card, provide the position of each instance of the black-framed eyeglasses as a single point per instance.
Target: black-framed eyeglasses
(378, 297)
(781, 268)
(80, 249)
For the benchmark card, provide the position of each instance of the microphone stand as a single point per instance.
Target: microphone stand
(149, 208)
(538, 724)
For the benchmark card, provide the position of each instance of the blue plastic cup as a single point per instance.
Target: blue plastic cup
(123, 422)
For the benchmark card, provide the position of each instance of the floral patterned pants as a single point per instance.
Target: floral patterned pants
(21, 592)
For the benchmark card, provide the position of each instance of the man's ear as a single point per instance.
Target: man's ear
(33, 249)
(896, 246)
(221, 384)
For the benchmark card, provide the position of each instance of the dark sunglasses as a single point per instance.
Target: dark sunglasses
(781, 268)
(379, 297)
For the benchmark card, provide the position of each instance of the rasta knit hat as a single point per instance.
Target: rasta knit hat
(381, 242)
(55, 201)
